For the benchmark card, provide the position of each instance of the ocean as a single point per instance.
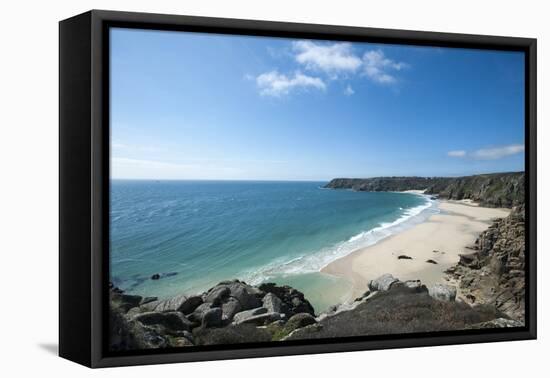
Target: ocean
(195, 234)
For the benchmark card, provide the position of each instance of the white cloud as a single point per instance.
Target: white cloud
(331, 59)
(493, 153)
(457, 153)
(498, 152)
(328, 61)
(275, 84)
(377, 67)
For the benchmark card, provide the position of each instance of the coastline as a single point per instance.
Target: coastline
(440, 238)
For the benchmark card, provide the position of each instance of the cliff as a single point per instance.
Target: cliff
(491, 190)
(388, 184)
(494, 273)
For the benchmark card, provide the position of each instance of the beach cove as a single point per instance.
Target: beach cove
(422, 252)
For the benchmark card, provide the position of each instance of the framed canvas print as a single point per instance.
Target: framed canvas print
(234, 188)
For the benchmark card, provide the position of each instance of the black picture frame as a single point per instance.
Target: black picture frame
(84, 185)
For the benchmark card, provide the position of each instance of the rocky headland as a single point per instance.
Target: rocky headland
(490, 190)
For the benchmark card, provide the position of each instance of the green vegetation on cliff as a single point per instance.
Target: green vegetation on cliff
(492, 190)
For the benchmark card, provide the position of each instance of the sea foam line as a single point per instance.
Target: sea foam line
(317, 261)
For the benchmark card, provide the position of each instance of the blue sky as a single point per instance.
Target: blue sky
(200, 106)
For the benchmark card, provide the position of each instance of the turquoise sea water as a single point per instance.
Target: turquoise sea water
(197, 233)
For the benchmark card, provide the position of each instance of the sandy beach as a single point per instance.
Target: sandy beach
(441, 238)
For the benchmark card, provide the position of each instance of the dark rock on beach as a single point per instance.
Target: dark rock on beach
(430, 261)
(404, 257)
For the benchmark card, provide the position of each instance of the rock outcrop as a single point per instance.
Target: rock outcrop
(382, 283)
(235, 312)
(231, 311)
(443, 292)
(495, 272)
(293, 301)
(401, 307)
(491, 190)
